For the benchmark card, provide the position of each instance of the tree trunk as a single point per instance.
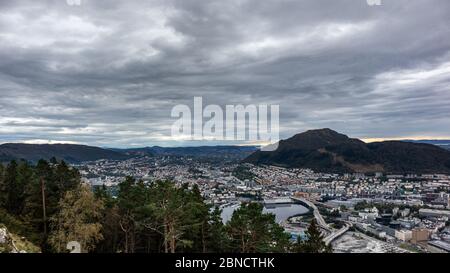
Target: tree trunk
(44, 211)
(243, 246)
(133, 240)
(173, 245)
(203, 238)
(166, 247)
(126, 232)
(172, 241)
(126, 242)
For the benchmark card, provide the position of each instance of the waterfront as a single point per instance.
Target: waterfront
(282, 211)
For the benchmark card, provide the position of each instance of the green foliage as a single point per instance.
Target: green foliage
(363, 205)
(217, 238)
(17, 243)
(174, 216)
(14, 189)
(47, 204)
(15, 225)
(242, 172)
(164, 217)
(24, 189)
(314, 242)
(252, 231)
(385, 207)
(77, 220)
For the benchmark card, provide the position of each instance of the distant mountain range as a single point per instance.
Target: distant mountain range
(68, 152)
(321, 150)
(200, 151)
(445, 144)
(325, 150)
(80, 153)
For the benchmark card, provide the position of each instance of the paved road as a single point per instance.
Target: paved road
(320, 221)
(334, 234)
(337, 233)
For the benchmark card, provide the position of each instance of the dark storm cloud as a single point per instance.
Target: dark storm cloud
(109, 72)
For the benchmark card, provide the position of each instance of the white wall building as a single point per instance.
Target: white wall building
(403, 235)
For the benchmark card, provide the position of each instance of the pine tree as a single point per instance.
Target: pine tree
(102, 193)
(196, 219)
(12, 190)
(33, 207)
(110, 221)
(131, 196)
(25, 176)
(65, 178)
(167, 210)
(3, 188)
(314, 242)
(253, 231)
(217, 240)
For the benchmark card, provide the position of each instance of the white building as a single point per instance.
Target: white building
(434, 213)
(403, 235)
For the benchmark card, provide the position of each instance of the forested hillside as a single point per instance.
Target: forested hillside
(48, 205)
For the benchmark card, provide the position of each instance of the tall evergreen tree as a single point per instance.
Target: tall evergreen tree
(110, 222)
(25, 176)
(196, 219)
(13, 189)
(3, 188)
(167, 211)
(314, 242)
(133, 195)
(217, 240)
(65, 178)
(252, 231)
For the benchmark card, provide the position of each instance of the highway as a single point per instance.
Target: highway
(320, 221)
(334, 234)
(337, 233)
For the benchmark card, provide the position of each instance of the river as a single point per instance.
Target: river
(282, 211)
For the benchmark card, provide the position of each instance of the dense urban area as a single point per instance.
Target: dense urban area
(356, 212)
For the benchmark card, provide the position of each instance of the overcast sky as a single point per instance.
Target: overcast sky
(108, 73)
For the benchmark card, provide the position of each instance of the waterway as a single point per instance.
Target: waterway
(282, 211)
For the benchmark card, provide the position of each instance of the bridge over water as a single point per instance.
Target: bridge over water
(334, 234)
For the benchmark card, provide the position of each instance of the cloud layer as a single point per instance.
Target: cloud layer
(108, 73)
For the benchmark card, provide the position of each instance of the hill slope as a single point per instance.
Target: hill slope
(444, 144)
(68, 152)
(80, 153)
(325, 150)
(239, 152)
(12, 243)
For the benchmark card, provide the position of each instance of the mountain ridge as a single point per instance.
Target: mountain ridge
(72, 153)
(75, 153)
(325, 150)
